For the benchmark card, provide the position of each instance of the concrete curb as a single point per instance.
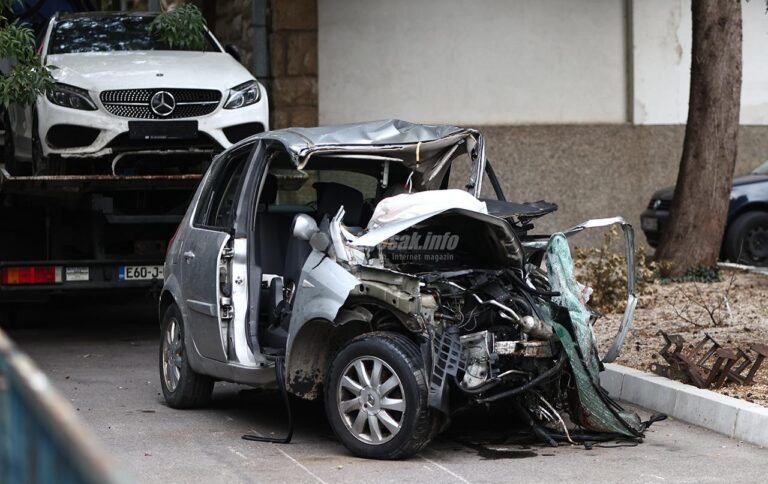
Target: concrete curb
(745, 268)
(726, 415)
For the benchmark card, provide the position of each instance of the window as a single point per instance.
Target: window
(460, 174)
(108, 33)
(216, 207)
(304, 193)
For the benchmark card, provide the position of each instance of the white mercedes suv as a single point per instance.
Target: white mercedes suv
(126, 103)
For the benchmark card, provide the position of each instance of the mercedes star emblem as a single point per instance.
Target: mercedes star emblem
(162, 103)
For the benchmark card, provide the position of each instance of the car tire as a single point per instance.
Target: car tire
(12, 165)
(41, 164)
(746, 240)
(384, 417)
(182, 386)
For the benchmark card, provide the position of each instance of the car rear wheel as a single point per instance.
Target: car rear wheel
(376, 397)
(9, 157)
(182, 387)
(41, 164)
(746, 240)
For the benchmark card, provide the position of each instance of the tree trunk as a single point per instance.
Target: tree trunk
(694, 232)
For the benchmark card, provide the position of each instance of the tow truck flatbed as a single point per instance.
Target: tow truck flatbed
(86, 234)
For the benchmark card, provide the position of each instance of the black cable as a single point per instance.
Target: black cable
(481, 389)
(524, 388)
(279, 374)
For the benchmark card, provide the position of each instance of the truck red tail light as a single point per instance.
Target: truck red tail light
(17, 276)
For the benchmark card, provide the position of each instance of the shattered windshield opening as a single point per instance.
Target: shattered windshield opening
(108, 34)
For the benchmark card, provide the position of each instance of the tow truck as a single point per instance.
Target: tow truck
(86, 235)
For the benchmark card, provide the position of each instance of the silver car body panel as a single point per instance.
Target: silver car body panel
(329, 279)
(239, 278)
(323, 288)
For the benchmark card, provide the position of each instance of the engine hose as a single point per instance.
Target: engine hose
(531, 384)
(481, 389)
(522, 302)
(521, 284)
(280, 375)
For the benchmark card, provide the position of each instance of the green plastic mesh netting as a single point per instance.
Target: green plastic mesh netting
(596, 411)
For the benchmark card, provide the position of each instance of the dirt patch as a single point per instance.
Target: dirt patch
(692, 309)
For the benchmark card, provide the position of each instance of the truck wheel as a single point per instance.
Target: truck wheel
(376, 397)
(182, 387)
(746, 240)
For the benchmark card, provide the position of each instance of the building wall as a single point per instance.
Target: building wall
(293, 60)
(582, 102)
(574, 113)
(597, 170)
(491, 62)
(521, 62)
(292, 37)
(661, 61)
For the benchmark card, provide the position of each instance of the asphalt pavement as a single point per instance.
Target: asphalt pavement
(104, 359)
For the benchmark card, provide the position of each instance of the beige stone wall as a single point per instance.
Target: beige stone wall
(231, 23)
(293, 63)
(292, 83)
(594, 171)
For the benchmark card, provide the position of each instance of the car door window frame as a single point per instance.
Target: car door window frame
(206, 204)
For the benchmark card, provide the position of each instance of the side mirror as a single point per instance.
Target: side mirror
(304, 226)
(232, 50)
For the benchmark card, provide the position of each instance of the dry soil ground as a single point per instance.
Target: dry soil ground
(739, 306)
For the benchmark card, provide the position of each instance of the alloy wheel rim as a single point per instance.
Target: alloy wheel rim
(172, 355)
(371, 400)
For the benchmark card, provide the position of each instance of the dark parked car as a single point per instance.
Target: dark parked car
(746, 232)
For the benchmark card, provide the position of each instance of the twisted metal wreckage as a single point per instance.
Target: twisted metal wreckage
(433, 301)
(494, 325)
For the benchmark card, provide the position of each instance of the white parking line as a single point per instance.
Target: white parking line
(443, 468)
(299, 464)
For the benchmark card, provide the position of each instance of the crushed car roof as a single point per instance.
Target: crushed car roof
(385, 135)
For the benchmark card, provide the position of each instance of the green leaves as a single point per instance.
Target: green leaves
(182, 28)
(24, 84)
(28, 78)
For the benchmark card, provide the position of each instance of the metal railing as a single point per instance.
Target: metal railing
(42, 440)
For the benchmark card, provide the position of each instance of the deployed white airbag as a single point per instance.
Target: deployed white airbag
(395, 214)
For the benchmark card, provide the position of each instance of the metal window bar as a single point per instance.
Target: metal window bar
(42, 440)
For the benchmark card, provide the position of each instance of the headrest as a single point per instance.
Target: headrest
(331, 196)
(269, 192)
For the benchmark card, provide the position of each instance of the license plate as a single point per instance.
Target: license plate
(140, 273)
(77, 274)
(650, 224)
(149, 130)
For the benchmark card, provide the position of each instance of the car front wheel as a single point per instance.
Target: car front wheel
(182, 387)
(746, 240)
(376, 397)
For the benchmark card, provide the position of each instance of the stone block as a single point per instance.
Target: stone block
(301, 53)
(294, 91)
(294, 15)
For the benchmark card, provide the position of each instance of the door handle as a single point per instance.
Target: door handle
(188, 256)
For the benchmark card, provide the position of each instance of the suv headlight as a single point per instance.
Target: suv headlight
(243, 95)
(71, 97)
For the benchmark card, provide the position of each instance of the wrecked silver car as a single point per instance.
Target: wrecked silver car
(341, 263)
